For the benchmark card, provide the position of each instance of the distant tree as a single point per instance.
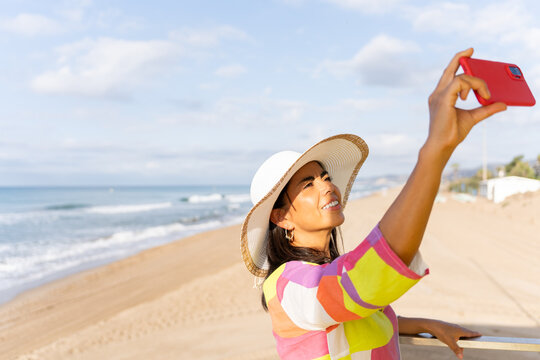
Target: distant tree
(522, 169)
(513, 163)
(518, 167)
(537, 167)
(455, 170)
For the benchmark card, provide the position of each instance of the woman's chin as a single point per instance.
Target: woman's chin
(338, 219)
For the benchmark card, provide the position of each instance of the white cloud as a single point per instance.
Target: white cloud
(104, 66)
(393, 145)
(367, 6)
(208, 37)
(294, 2)
(111, 67)
(499, 20)
(249, 111)
(366, 104)
(380, 62)
(75, 10)
(442, 18)
(31, 25)
(230, 71)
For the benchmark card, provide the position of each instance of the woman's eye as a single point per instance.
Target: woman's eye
(307, 185)
(328, 179)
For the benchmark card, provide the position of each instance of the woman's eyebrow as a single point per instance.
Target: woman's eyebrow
(311, 178)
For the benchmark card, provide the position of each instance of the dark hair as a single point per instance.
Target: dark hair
(280, 251)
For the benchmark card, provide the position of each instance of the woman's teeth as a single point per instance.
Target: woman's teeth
(332, 204)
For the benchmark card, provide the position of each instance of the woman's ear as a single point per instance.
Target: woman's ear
(278, 217)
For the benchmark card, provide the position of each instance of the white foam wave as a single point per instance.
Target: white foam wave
(205, 198)
(123, 209)
(238, 198)
(33, 263)
(359, 194)
(36, 217)
(233, 206)
(4, 248)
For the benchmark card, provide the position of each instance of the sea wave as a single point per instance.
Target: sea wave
(207, 198)
(35, 217)
(204, 198)
(32, 263)
(123, 209)
(238, 198)
(353, 195)
(67, 206)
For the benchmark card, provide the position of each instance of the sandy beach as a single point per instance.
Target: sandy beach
(194, 298)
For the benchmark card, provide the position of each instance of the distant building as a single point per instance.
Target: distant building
(498, 189)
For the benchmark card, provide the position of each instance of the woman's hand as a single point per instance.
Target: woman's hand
(450, 333)
(448, 125)
(446, 332)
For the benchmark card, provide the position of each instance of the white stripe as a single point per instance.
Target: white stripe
(418, 265)
(361, 355)
(303, 308)
(338, 346)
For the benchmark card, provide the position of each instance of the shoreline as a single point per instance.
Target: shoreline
(197, 287)
(10, 293)
(13, 292)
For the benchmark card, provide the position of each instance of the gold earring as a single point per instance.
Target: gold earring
(289, 237)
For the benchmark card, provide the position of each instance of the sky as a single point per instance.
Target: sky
(202, 92)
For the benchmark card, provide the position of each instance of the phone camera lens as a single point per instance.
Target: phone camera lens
(515, 71)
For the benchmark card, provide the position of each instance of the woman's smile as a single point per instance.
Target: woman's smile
(333, 205)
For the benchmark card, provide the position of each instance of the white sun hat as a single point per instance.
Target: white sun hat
(340, 155)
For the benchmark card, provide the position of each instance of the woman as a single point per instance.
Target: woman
(324, 305)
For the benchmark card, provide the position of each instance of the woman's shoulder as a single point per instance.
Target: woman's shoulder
(297, 271)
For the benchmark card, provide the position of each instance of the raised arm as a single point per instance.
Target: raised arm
(404, 223)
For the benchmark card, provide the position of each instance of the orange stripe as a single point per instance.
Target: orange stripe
(330, 328)
(281, 323)
(330, 295)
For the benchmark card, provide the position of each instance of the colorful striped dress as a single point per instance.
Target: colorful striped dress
(341, 310)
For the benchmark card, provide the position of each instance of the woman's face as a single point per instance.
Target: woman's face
(315, 200)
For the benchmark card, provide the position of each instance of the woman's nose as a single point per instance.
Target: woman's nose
(326, 186)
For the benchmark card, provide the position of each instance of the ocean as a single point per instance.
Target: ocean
(47, 233)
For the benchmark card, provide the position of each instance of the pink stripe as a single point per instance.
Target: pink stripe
(311, 345)
(389, 351)
(351, 258)
(391, 258)
(280, 287)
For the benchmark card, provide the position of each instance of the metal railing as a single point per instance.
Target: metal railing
(481, 342)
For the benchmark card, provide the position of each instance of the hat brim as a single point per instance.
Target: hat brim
(341, 155)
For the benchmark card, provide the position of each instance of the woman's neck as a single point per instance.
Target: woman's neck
(318, 240)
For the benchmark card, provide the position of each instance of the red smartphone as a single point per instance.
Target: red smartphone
(505, 82)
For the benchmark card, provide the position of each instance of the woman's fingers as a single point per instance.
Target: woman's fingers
(482, 112)
(450, 71)
(457, 350)
(463, 83)
(470, 333)
(462, 332)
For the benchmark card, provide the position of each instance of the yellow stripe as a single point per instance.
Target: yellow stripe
(325, 357)
(380, 284)
(270, 284)
(352, 305)
(369, 333)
